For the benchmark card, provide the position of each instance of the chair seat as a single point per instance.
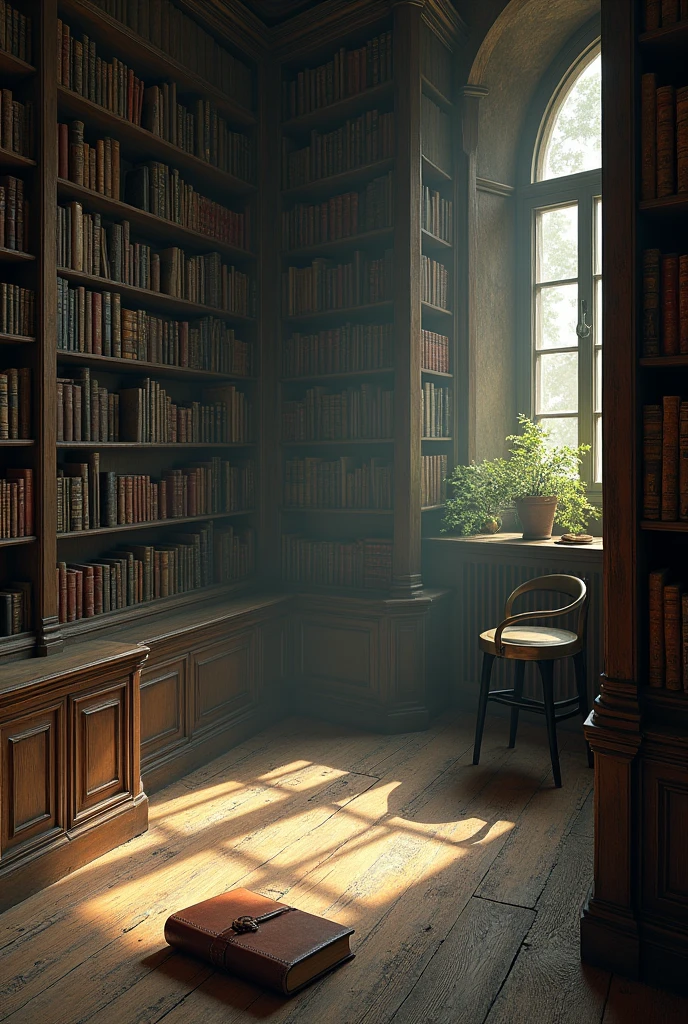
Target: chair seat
(532, 643)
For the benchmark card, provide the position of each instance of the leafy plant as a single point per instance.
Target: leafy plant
(485, 490)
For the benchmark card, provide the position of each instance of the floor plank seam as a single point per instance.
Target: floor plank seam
(515, 957)
(504, 903)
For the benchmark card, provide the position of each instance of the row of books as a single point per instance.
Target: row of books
(665, 303)
(16, 124)
(325, 285)
(168, 28)
(17, 310)
(110, 84)
(15, 608)
(364, 412)
(14, 214)
(345, 349)
(665, 460)
(662, 13)
(95, 322)
(158, 189)
(147, 415)
(664, 139)
(437, 63)
(201, 131)
(15, 404)
(346, 74)
(435, 134)
(433, 480)
(86, 244)
(16, 32)
(359, 141)
(434, 282)
(16, 504)
(340, 216)
(363, 564)
(341, 483)
(96, 167)
(88, 499)
(436, 214)
(668, 633)
(144, 572)
(436, 413)
(434, 353)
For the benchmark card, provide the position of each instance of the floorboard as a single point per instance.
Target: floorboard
(463, 883)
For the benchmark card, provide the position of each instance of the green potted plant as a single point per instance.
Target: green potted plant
(540, 480)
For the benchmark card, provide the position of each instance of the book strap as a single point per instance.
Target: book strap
(240, 926)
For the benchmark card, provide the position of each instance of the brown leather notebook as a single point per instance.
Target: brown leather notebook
(259, 939)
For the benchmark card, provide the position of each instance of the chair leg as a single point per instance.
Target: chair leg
(581, 670)
(547, 674)
(488, 661)
(520, 671)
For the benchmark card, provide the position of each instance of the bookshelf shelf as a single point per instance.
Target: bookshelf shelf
(12, 68)
(433, 242)
(664, 527)
(91, 445)
(147, 59)
(15, 256)
(21, 443)
(383, 236)
(428, 307)
(367, 99)
(156, 524)
(441, 439)
(670, 41)
(15, 339)
(664, 362)
(158, 301)
(360, 440)
(436, 373)
(434, 174)
(433, 508)
(324, 187)
(670, 205)
(12, 161)
(345, 374)
(147, 224)
(13, 542)
(112, 364)
(436, 95)
(139, 144)
(315, 510)
(357, 312)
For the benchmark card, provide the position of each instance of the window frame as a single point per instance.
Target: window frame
(533, 195)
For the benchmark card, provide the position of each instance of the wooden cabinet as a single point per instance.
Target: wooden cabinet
(70, 780)
(164, 707)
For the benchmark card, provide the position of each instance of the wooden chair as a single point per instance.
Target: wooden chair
(545, 645)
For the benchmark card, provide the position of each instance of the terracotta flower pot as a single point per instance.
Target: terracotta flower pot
(537, 516)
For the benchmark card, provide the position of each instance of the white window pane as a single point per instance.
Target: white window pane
(597, 255)
(598, 380)
(557, 382)
(562, 431)
(556, 316)
(597, 323)
(598, 450)
(572, 142)
(556, 233)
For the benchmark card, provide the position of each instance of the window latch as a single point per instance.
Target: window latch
(583, 328)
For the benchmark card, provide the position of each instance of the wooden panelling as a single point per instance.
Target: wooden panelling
(32, 765)
(665, 792)
(339, 653)
(163, 707)
(223, 680)
(99, 723)
(275, 658)
(408, 658)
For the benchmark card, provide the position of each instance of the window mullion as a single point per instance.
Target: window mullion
(585, 345)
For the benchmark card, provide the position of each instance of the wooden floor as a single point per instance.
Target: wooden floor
(464, 886)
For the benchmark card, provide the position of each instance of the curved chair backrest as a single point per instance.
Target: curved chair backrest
(574, 587)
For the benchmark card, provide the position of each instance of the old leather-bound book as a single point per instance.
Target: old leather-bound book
(259, 939)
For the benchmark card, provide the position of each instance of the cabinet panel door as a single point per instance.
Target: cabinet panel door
(163, 708)
(101, 751)
(224, 683)
(665, 839)
(32, 775)
(339, 654)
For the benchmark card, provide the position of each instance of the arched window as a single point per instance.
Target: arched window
(560, 209)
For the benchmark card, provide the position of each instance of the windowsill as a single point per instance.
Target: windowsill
(513, 542)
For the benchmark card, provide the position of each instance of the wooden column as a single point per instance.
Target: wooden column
(472, 94)
(609, 930)
(48, 639)
(406, 566)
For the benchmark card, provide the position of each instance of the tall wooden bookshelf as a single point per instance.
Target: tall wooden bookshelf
(635, 922)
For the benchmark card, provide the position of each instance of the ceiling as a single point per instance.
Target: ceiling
(274, 11)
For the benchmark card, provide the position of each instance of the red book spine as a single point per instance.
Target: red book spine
(670, 312)
(670, 448)
(666, 141)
